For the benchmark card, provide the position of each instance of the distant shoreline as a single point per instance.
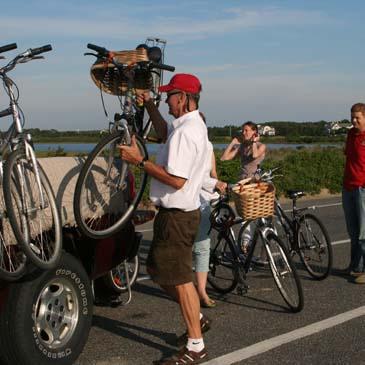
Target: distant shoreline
(217, 141)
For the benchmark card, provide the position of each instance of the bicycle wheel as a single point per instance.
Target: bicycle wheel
(116, 279)
(223, 271)
(284, 273)
(37, 225)
(12, 258)
(315, 248)
(103, 203)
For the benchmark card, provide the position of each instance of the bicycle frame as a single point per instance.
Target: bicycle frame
(290, 225)
(10, 141)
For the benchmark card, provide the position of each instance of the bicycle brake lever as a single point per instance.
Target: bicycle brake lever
(91, 54)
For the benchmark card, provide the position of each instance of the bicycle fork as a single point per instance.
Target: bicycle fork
(265, 232)
(121, 184)
(242, 286)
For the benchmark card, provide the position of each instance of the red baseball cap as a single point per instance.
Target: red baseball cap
(184, 82)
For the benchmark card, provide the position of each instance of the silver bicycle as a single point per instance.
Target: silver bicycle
(29, 203)
(101, 205)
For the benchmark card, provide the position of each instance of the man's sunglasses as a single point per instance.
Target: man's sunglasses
(174, 93)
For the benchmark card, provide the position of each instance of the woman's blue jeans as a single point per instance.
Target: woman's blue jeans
(353, 203)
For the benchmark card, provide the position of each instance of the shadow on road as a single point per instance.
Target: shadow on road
(126, 330)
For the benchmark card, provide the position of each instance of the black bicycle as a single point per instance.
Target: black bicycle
(304, 233)
(229, 266)
(99, 207)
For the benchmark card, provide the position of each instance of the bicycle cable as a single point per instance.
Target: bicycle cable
(104, 107)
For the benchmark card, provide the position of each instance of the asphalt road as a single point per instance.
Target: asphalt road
(252, 329)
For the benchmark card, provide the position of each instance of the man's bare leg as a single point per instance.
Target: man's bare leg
(190, 308)
(188, 299)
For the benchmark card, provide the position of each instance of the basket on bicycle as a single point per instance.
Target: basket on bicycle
(254, 200)
(111, 80)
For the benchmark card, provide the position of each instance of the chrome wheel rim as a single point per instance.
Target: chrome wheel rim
(56, 313)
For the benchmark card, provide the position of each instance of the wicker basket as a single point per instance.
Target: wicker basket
(108, 78)
(254, 200)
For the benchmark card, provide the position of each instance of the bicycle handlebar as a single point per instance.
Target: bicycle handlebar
(24, 57)
(106, 53)
(5, 112)
(36, 51)
(103, 51)
(162, 66)
(8, 47)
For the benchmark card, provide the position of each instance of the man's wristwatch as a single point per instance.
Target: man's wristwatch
(141, 164)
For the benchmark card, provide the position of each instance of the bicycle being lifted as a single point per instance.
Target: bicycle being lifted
(28, 204)
(228, 266)
(99, 207)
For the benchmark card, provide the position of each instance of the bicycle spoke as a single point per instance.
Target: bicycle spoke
(103, 197)
(284, 274)
(314, 247)
(37, 225)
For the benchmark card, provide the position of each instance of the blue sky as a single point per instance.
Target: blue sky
(257, 60)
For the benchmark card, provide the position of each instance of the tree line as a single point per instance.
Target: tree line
(288, 129)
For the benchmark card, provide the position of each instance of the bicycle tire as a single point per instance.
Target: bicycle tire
(223, 271)
(12, 258)
(95, 218)
(284, 273)
(116, 279)
(314, 244)
(38, 230)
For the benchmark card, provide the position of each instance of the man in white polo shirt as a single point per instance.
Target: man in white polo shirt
(177, 178)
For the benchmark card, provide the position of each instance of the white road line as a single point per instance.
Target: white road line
(339, 242)
(267, 345)
(317, 206)
(328, 205)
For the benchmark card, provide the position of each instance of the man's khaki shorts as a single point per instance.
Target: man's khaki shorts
(169, 261)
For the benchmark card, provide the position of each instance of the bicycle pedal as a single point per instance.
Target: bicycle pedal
(242, 289)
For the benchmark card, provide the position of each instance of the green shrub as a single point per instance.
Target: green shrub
(305, 169)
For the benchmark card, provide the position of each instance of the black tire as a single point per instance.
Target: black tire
(284, 273)
(46, 320)
(116, 280)
(38, 230)
(315, 249)
(95, 216)
(12, 258)
(223, 270)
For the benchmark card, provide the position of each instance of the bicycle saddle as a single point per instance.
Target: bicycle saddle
(154, 53)
(295, 194)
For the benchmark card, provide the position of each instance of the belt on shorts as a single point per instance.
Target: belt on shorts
(159, 207)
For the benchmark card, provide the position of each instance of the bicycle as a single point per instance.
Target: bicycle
(304, 233)
(104, 176)
(12, 259)
(30, 204)
(228, 266)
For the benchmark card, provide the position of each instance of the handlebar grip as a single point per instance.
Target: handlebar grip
(162, 66)
(8, 47)
(39, 50)
(103, 51)
(5, 112)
